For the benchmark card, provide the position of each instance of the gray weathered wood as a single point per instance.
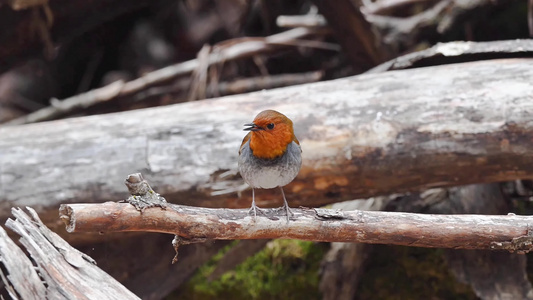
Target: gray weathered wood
(66, 272)
(20, 273)
(361, 136)
(197, 224)
(493, 275)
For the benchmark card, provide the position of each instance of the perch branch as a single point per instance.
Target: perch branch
(510, 232)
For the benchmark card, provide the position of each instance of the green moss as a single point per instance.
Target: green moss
(288, 269)
(284, 269)
(396, 272)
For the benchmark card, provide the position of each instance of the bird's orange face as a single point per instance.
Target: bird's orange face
(270, 133)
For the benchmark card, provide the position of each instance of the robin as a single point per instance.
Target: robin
(270, 155)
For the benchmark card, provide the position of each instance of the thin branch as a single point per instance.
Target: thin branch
(398, 30)
(509, 232)
(385, 6)
(267, 82)
(309, 20)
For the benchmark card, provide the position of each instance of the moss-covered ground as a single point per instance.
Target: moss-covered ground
(288, 269)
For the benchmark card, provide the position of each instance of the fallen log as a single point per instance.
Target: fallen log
(361, 136)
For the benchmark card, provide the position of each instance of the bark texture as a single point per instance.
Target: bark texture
(56, 270)
(510, 232)
(361, 136)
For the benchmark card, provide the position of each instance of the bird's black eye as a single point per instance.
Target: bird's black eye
(270, 126)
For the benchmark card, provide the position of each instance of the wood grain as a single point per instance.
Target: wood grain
(361, 136)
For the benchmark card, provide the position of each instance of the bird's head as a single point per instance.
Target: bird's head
(270, 134)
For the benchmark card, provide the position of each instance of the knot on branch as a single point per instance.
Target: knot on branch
(521, 245)
(179, 240)
(335, 215)
(142, 194)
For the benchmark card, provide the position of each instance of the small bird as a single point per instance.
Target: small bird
(270, 155)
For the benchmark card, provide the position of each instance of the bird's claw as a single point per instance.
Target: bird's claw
(288, 212)
(253, 211)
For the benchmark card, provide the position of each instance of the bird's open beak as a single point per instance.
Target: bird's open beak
(252, 127)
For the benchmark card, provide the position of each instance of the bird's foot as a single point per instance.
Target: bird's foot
(254, 210)
(287, 210)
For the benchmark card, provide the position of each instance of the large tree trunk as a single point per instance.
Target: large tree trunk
(361, 136)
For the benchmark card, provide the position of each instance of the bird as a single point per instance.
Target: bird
(270, 155)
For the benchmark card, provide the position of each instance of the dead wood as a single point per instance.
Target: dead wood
(511, 232)
(361, 136)
(344, 264)
(406, 31)
(225, 51)
(56, 271)
(492, 274)
(155, 277)
(440, 18)
(455, 52)
(308, 20)
(353, 32)
(387, 6)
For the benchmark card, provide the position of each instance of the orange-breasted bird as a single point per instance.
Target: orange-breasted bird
(270, 154)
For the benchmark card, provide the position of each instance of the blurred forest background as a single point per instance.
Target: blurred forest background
(65, 59)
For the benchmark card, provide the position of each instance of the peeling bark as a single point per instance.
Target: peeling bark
(56, 270)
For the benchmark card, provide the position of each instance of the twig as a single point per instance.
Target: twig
(511, 232)
(267, 82)
(384, 6)
(237, 86)
(199, 82)
(405, 30)
(228, 50)
(309, 20)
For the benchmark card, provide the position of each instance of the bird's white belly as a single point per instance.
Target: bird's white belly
(271, 177)
(266, 175)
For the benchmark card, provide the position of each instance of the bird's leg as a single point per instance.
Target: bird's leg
(254, 209)
(286, 205)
